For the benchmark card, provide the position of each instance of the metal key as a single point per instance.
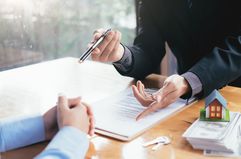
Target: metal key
(161, 139)
(158, 145)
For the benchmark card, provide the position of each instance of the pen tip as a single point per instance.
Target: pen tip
(80, 61)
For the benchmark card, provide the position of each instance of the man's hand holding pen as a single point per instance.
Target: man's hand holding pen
(110, 49)
(173, 88)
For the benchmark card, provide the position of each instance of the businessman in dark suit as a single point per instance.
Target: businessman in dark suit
(204, 35)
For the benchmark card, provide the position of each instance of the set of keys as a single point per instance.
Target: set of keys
(158, 142)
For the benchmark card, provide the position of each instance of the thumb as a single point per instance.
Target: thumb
(97, 33)
(62, 102)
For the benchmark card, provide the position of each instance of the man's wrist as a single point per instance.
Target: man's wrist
(50, 133)
(187, 90)
(121, 51)
(50, 123)
(125, 63)
(194, 83)
(187, 87)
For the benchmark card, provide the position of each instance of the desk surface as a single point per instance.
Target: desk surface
(94, 81)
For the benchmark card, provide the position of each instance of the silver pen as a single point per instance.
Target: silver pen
(87, 53)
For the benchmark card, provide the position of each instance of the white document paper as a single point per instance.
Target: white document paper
(116, 115)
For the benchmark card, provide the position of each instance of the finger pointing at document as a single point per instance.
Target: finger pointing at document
(174, 87)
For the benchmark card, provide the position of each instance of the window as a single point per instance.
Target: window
(212, 108)
(212, 115)
(215, 111)
(37, 30)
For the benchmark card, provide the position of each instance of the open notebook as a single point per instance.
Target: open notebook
(115, 115)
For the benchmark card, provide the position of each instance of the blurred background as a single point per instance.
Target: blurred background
(36, 30)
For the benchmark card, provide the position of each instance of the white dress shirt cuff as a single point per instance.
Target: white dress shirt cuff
(194, 82)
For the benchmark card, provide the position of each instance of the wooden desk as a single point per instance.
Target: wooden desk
(109, 81)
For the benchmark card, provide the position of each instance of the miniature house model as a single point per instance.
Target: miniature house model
(215, 108)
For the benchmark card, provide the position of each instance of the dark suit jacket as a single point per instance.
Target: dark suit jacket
(204, 35)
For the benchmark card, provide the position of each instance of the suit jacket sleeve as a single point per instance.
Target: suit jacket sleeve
(148, 48)
(221, 66)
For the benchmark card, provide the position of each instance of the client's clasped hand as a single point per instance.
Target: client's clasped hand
(69, 112)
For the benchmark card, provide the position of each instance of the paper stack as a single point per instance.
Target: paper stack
(215, 136)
